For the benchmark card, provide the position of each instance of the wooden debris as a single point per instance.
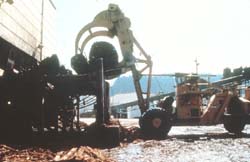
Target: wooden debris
(83, 153)
(64, 152)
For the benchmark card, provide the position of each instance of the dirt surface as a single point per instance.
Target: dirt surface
(188, 144)
(184, 144)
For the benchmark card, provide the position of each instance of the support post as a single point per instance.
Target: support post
(100, 93)
(78, 112)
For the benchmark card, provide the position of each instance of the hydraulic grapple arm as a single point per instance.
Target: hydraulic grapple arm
(116, 24)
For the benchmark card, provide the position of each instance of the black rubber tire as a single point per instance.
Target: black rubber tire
(149, 130)
(235, 106)
(234, 118)
(234, 123)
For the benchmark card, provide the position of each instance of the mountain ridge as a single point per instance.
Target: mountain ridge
(160, 84)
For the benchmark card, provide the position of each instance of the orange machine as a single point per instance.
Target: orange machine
(199, 102)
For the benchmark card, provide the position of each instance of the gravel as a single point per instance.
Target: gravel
(184, 144)
(188, 144)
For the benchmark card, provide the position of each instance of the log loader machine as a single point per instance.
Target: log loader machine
(43, 96)
(225, 106)
(116, 24)
(198, 102)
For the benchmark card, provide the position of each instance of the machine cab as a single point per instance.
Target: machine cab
(189, 96)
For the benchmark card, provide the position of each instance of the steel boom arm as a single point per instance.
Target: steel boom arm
(116, 24)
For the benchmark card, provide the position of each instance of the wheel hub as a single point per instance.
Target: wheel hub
(156, 122)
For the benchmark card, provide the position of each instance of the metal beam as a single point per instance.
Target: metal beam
(134, 103)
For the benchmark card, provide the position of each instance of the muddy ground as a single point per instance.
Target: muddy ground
(184, 144)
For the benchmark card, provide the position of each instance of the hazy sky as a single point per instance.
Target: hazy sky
(173, 32)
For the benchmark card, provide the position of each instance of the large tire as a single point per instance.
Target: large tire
(234, 119)
(155, 124)
(234, 123)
